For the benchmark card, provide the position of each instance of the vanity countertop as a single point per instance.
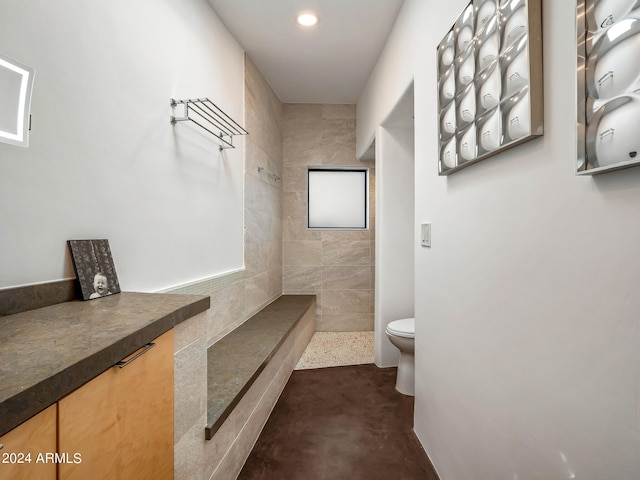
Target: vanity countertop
(49, 352)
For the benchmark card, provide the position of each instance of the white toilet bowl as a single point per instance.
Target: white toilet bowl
(401, 333)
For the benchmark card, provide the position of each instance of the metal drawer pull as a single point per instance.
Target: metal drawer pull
(145, 349)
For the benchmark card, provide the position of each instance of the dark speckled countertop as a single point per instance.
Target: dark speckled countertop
(47, 353)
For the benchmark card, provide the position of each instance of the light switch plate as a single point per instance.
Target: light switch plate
(425, 235)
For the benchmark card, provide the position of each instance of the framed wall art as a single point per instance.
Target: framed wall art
(94, 267)
(490, 95)
(608, 79)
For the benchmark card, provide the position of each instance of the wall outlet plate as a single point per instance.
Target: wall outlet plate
(425, 235)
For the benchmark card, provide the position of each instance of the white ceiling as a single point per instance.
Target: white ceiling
(327, 63)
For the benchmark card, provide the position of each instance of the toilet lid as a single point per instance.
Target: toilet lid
(405, 327)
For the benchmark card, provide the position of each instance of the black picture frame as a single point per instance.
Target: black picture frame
(94, 268)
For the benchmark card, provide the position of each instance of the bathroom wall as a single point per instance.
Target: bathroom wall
(527, 303)
(395, 197)
(238, 295)
(336, 265)
(104, 160)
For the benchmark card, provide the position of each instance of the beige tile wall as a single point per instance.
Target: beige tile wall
(263, 190)
(336, 265)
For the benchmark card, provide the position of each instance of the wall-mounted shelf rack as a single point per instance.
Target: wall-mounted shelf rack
(208, 116)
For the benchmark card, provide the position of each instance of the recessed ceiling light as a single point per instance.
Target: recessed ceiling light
(307, 19)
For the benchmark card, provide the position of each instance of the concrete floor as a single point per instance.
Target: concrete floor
(340, 423)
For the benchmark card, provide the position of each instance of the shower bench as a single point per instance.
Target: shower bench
(248, 368)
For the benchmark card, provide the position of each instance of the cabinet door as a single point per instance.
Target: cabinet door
(121, 422)
(24, 449)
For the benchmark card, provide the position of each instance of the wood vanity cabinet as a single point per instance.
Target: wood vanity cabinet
(24, 449)
(120, 424)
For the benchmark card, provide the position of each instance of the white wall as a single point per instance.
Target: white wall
(390, 79)
(104, 161)
(528, 302)
(394, 293)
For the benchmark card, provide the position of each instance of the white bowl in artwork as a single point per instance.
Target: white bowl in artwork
(449, 119)
(467, 70)
(468, 105)
(490, 132)
(464, 37)
(447, 56)
(449, 86)
(488, 51)
(517, 75)
(486, 11)
(608, 12)
(516, 26)
(616, 135)
(519, 118)
(468, 144)
(614, 72)
(490, 90)
(449, 154)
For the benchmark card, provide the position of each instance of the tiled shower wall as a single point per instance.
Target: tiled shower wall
(263, 189)
(336, 265)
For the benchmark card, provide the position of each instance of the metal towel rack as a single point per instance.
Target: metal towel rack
(208, 116)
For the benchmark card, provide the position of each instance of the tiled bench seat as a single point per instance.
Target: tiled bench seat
(247, 370)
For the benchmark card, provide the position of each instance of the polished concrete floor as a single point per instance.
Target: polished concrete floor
(340, 423)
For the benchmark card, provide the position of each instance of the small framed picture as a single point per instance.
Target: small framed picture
(94, 268)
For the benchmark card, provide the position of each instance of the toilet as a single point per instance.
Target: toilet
(401, 334)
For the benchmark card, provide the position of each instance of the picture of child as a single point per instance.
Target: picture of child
(94, 268)
(100, 285)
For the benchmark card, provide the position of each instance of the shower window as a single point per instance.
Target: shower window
(338, 198)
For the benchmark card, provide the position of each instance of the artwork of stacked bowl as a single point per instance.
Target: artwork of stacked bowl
(485, 87)
(608, 55)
